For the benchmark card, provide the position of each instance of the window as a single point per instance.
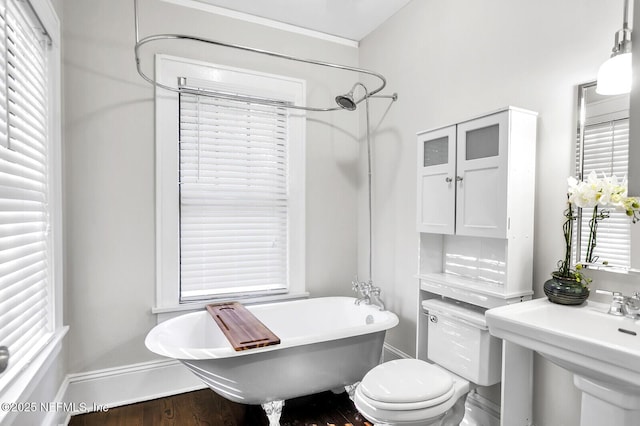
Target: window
(604, 148)
(230, 185)
(29, 189)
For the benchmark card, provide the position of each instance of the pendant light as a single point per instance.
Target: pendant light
(614, 76)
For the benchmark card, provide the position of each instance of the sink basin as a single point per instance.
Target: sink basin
(583, 339)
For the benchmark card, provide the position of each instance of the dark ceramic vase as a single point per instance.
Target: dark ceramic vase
(565, 291)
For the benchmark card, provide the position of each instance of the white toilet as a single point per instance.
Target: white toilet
(412, 392)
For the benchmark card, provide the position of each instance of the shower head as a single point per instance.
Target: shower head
(346, 101)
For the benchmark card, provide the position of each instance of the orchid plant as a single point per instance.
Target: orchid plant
(564, 266)
(600, 194)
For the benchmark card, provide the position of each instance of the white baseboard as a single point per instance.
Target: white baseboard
(390, 353)
(113, 387)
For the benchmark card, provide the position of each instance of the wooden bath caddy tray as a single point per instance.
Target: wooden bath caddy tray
(242, 328)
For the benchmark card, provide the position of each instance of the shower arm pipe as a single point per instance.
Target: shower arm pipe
(393, 96)
(366, 97)
(625, 17)
(158, 37)
(366, 101)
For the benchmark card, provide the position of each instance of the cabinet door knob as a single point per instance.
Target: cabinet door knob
(448, 179)
(459, 178)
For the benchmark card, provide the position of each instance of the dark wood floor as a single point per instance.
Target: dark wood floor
(204, 407)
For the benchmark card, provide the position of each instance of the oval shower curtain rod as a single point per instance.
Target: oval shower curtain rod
(200, 91)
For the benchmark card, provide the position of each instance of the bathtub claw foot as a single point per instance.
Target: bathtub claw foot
(351, 389)
(273, 410)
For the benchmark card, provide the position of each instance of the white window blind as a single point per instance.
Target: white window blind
(25, 318)
(233, 197)
(606, 150)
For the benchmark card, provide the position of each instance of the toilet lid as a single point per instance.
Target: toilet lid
(405, 381)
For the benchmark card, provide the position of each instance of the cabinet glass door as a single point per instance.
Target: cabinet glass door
(482, 176)
(436, 181)
(482, 142)
(436, 151)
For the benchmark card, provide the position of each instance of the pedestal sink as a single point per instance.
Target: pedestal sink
(602, 350)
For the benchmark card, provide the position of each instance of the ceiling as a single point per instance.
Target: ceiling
(350, 19)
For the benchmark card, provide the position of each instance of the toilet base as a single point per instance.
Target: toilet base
(452, 417)
(475, 413)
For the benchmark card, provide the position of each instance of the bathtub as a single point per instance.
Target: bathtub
(326, 343)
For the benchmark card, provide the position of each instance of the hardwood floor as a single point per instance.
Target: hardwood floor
(206, 408)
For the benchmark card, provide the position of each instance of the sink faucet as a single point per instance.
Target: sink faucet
(367, 293)
(633, 306)
(621, 305)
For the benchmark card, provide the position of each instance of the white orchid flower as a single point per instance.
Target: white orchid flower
(607, 191)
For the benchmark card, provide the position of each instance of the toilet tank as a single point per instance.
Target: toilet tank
(459, 340)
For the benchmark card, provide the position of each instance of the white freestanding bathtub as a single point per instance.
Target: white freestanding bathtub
(326, 343)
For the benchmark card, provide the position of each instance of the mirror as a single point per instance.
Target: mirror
(602, 146)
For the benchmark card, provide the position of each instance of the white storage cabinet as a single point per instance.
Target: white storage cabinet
(473, 176)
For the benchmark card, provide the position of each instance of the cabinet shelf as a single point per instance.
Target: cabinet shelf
(470, 290)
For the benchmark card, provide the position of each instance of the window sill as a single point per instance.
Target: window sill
(22, 385)
(166, 312)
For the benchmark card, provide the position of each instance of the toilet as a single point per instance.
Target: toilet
(412, 392)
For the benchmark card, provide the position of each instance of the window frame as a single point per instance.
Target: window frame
(168, 70)
(608, 110)
(25, 381)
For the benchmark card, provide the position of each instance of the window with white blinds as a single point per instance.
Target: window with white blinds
(605, 149)
(230, 186)
(26, 321)
(233, 197)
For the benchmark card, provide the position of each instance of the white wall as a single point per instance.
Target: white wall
(109, 166)
(451, 60)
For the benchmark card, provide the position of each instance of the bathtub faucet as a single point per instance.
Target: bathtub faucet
(367, 293)
(375, 299)
(363, 289)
